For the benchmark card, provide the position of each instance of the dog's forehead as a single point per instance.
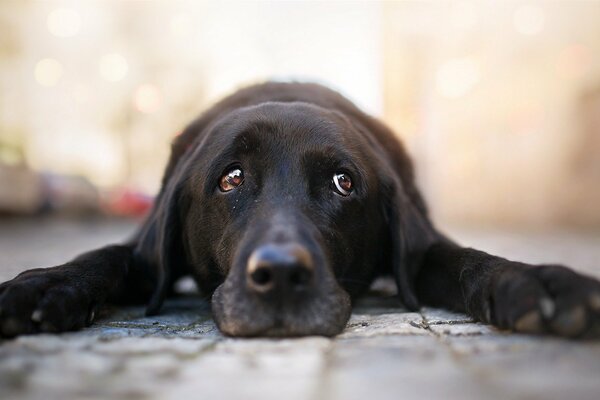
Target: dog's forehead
(285, 124)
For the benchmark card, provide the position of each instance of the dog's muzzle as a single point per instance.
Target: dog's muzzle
(281, 289)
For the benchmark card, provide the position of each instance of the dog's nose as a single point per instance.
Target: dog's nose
(280, 268)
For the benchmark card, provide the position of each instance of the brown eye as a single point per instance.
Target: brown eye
(232, 179)
(343, 183)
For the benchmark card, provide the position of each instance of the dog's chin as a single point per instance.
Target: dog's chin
(241, 315)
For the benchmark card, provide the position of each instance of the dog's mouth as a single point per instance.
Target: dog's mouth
(238, 314)
(280, 292)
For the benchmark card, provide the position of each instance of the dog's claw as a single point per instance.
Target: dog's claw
(547, 307)
(531, 322)
(91, 317)
(37, 316)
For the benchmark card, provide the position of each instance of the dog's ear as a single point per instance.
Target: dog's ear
(161, 240)
(410, 234)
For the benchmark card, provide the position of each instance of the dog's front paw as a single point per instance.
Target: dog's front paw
(546, 299)
(44, 300)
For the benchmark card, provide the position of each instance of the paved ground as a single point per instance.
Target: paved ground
(385, 352)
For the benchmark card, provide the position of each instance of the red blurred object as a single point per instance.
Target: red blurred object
(128, 203)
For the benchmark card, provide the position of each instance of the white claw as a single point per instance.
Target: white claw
(547, 307)
(488, 315)
(36, 316)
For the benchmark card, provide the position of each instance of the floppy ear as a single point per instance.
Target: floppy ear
(161, 240)
(411, 234)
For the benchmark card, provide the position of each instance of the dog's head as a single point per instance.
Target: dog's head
(284, 211)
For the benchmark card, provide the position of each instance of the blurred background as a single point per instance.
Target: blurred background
(498, 102)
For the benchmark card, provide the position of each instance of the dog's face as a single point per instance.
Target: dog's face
(282, 218)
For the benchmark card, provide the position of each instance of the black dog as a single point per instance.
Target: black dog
(285, 201)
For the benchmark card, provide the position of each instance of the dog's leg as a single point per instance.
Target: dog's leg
(510, 295)
(66, 297)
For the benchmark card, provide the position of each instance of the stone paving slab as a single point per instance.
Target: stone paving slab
(517, 366)
(390, 367)
(385, 352)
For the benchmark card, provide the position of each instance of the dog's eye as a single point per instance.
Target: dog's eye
(232, 179)
(342, 183)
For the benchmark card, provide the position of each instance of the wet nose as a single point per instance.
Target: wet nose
(280, 268)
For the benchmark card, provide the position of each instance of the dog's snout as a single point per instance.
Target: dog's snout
(284, 269)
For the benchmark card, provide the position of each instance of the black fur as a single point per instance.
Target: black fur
(290, 139)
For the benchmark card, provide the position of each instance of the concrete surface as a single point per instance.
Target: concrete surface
(384, 353)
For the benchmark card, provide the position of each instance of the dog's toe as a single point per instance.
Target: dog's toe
(517, 303)
(570, 322)
(13, 326)
(16, 303)
(531, 322)
(62, 308)
(594, 301)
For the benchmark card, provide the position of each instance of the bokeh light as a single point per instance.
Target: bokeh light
(64, 22)
(483, 79)
(113, 67)
(573, 61)
(526, 118)
(147, 98)
(456, 77)
(48, 72)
